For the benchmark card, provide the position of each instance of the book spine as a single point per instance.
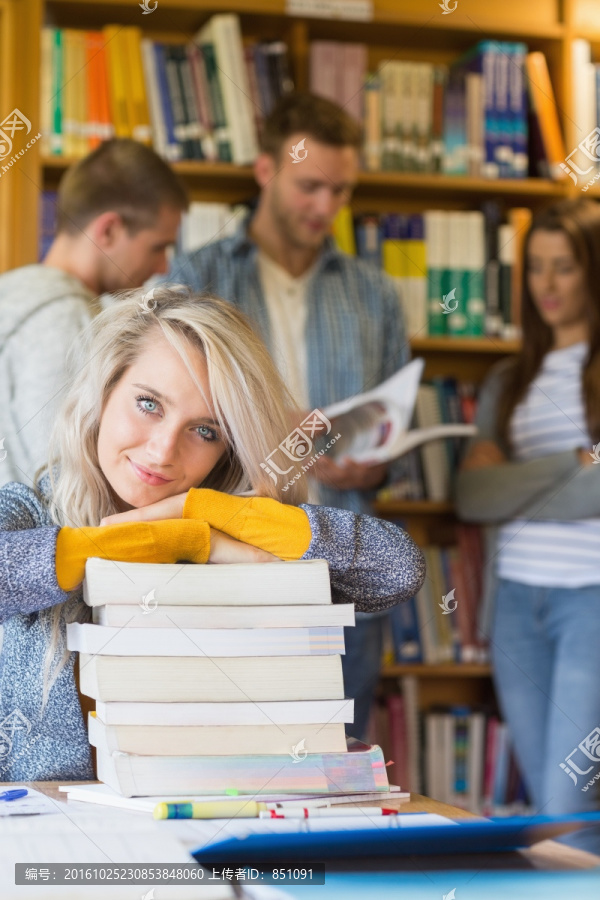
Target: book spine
(517, 91)
(157, 120)
(475, 267)
(140, 129)
(458, 274)
(176, 102)
(372, 148)
(195, 130)
(173, 148)
(230, 59)
(503, 151)
(437, 240)
(440, 78)
(489, 53)
(115, 59)
(222, 133)
(57, 136)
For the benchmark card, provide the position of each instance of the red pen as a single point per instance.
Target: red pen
(300, 812)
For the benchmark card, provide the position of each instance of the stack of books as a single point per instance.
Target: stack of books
(216, 678)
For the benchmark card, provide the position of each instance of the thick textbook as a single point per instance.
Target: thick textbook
(375, 425)
(218, 740)
(304, 582)
(294, 712)
(360, 768)
(212, 642)
(128, 615)
(191, 679)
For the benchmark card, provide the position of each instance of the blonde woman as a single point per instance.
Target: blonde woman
(172, 407)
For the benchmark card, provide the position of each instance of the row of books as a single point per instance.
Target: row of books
(210, 678)
(428, 470)
(583, 161)
(491, 114)
(463, 755)
(458, 273)
(205, 99)
(440, 624)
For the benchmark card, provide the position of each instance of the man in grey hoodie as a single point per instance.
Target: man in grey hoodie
(118, 211)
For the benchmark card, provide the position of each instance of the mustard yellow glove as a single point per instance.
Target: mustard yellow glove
(165, 541)
(276, 527)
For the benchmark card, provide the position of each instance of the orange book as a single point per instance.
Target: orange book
(544, 107)
(520, 219)
(116, 50)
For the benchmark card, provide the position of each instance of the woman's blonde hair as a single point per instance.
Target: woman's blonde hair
(248, 397)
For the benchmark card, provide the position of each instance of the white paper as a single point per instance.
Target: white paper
(34, 804)
(357, 10)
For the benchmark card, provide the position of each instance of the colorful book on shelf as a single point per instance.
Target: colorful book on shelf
(375, 425)
(545, 111)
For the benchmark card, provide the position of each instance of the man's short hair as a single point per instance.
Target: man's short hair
(312, 116)
(123, 176)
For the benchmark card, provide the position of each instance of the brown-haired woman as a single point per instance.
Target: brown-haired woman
(530, 473)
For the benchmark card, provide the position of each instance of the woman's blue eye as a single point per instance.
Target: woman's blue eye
(146, 400)
(209, 433)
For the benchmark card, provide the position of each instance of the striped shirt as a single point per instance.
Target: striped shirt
(354, 330)
(551, 419)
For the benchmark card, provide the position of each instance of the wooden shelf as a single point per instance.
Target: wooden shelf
(445, 670)
(463, 345)
(367, 181)
(412, 508)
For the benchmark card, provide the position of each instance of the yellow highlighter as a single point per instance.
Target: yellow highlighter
(219, 809)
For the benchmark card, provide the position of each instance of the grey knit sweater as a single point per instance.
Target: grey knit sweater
(373, 564)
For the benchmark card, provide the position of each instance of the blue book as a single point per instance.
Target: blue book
(517, 107)
(386, 836)
(174, 149)
(405, 632)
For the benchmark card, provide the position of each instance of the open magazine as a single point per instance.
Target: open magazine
(374, 426)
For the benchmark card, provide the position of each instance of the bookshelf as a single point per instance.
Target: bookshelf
(399, 29)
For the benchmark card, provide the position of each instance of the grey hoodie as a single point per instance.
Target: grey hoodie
(42, 312)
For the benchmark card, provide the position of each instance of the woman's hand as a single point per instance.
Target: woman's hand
(349, 475)
(482, 454)
(225, 549)
(169, 508)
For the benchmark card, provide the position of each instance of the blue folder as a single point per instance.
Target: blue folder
(462, 836)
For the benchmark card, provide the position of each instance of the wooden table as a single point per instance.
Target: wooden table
(548, 855)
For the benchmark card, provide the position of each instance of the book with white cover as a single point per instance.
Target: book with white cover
(302, 582)
(216, 740)
(212, 642)
(191, 679)
(151, 615)
(278, 712)
(374, 426)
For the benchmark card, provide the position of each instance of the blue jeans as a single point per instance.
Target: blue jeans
(546, 660)
(361, 665)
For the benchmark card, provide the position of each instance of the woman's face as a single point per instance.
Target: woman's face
(556, 280)
(158, 436)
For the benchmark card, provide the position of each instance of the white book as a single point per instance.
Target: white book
(436, 468)
(208, 642)
(223, 31)
(270, 712)
(216, 740)
(232, 584)
(189, 679)
(375, 425)
(104, 795)
(151, 616)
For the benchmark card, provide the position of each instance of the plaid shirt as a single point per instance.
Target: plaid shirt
(355, 334)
